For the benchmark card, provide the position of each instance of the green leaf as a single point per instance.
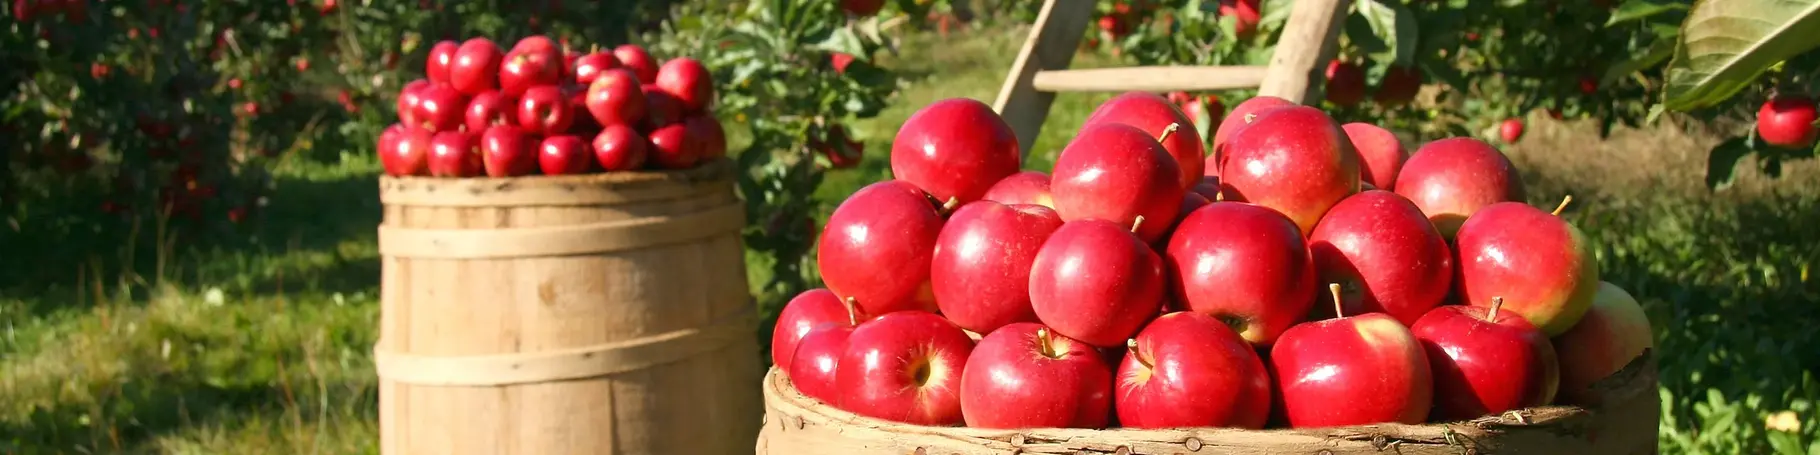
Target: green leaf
(1785, 443)
(1722, 162)
(1640, 9)
(1725, 44)
(1392, 24)
(1658, 51)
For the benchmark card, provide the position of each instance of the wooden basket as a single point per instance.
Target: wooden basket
(1624, 424)
(593, 314)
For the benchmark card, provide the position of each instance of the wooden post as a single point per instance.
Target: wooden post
(1051, 45)
(1309, 41)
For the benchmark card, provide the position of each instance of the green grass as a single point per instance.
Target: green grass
(263, 346)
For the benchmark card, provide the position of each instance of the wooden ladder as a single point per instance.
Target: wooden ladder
(1041, 70)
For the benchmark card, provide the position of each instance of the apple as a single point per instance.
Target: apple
(1027, 187)
(529, 67)
(1540, 265)
(581, 122)
(862, 8)
(1788, 121)
(904, 367)
(1191, 201)
(842, 152)
(980, 272)
(1024, 376)
(634, 58)
(620, 148)
(815, 367)
(490, 108)
(588, 67)
(534, 43)
(441, 108)
(1614, 332)
(616, 99)
(544, 110)
(1486, 361)
(404, 150)
(673, 148)
(1385, 255)
(804, 313)
(1096, 282)
(506, 151)
(1510, 130)
(1246, 12)
(442, 58)
(661, 108)
(1209, 187)
(454, 154)
(878, 245)
(1241, 117)
(1155, 116)
(687, 80)
(1380, 153)
(1187, 369)
(1294, 160)
(1345, 83)
(564, 155)
(1399, 87)
(1452, 178)
(1117, 173)
(476, 66)
(1245, 265)
(710, 136)
(1351, 370)
(954, 148)
(409, 98)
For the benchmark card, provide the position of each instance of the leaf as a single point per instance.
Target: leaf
(1658, 51)
(842, 40)
(1722, 162)
(1394, 25)
(1640, 9)
(1725, 44)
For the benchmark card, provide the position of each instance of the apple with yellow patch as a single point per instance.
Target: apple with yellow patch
(1540, 265)
(1352, 370)
(1614, 332)
(904, 367)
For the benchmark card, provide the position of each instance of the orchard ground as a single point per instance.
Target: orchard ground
(264, 345)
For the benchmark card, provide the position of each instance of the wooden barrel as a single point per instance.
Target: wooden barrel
(592, 314)
(1624, 424)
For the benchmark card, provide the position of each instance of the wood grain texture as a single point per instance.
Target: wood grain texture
(1052, 43)
(1310, 39)
(1624, 425)
(1150, 79)
(615, 350)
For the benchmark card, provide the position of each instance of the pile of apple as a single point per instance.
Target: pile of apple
(538, 109)
(1307, 274)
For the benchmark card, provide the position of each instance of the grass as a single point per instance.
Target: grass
(263, 345)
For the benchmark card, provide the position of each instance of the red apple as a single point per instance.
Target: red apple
(1156, 117)
(1540, 265)
(454, 154)
(536, 43)
(1294, 160)
(904, 367)
(1345, 83)
(708, 132)
(488, 109)
(1399, 87)
(404, 150)
(661, 108)
(506, 151)
(615, 98)
(620, 148)
(564, 155)
(1245, 265)
(1187, 369)
(1510, 130)
(878, 245)
(1486, 361)
(476, 66)
(862, 8)
(581, 121)
(1352, 370)
(442, 58)
(687, 80)
(1191, 201)
(1381, 154)
(1027, 187)
(635, 59)
(1117, 173)
(1024, 376)
(980, 272)
(1614, 332)
(529, 67)
(1241, 117)
(588, 67)
(1246, 12)
(1452, 178)
(955, 148)
(1096, 282)
(1209, 187)
(815, 365)
(802, 314)
(1386, 256)
(409, 99)
(441, 108)
(544, 110)
(673, 148)
(1788, 121)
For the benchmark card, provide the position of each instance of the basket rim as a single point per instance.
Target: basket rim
(556, 190)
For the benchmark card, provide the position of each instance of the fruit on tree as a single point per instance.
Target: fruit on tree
(1485, 361)
(1096, 281)
(804, 313)
(564, 154)
(1024, 375)
(1027, 187)
(1510, 130)
(1187, 369)
(1345, 84)
(1246, 15)
(1788, 121)
(687, 80)
(673, 148)
(620, 148)
(842, 152)
(616, 98)
(1155, 116)
(1384, 254)
(476, 66)
(710, 137)
(1294, 160)
(490, 108)
(877, 248)
(1452, 178)
(862, 8)
(905, 367)
(1245, 265)
(815, 361)
(441, 108)
(1540, 265)
(588, 67)
(454, 154)
(1117, 173)
(1399, 87)
(634, 58)
(1351, 370)
(839, 61)
(507, 151)
(954, 148)
(1381, 155)
(1241, 117)
(980, 272)
(1614, 332)
(442, 58)
(544, 109)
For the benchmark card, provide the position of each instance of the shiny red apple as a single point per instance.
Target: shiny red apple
(1385, 254)
(1245, 265)
(1381, 154)
(815, 365)
(1154, 115)
(673, 148)
(878, 245)
(615, 98)
(1096, 281)
(1352, 370)
(805, 313)
(441, 108)
(588, 67)
(476, 66)
(490, 108)
(564, 155)
(1539, 264)
(1024, 376)
(687, 80)
(1241, 116)
(634, 58)
(404, 150)
(1117, 173)
(620, 148)
(544, 110)
(1294, 160)
(528, 67)
(955, 148)
(1486, 361)
(1614, 332)
(1027, 187)
(442, 58)
(454, 154)
(409, 98)
(1345, 83)
(980, 272)
(507, 151)
(1452, 178)
(1187, 369)
(904, 367)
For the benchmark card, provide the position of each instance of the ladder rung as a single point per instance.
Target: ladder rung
(1150, 79)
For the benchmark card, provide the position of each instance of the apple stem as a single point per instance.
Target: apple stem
(852, 305)
(1131, 344)
(1043, 343)
(1493, 314)
(948, 207)
(1136, 223)
(1564, 200)
(1219, 195)
(1167, 131)
(1334, 288)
